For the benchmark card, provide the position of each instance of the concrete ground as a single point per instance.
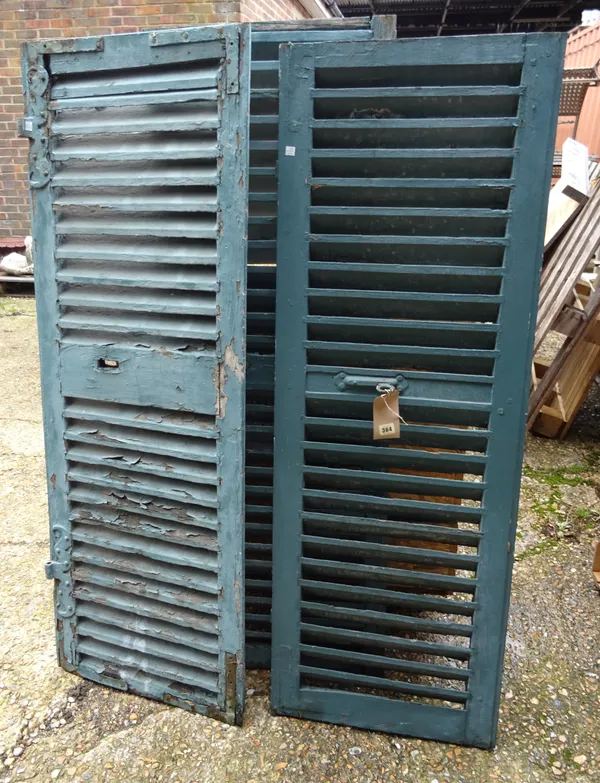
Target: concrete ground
(55, 726)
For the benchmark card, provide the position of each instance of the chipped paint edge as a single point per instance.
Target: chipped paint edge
(231, 355)
(46, 287)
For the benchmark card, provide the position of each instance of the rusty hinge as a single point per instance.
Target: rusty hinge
(34, 124)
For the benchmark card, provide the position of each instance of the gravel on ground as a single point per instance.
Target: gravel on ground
(56, 726)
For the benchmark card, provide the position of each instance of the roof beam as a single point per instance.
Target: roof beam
(444, 15)
(563, 11)
(523, 4)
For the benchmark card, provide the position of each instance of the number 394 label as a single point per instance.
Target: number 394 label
(386, 417)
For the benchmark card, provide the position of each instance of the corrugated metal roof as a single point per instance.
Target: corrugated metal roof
(460, 17)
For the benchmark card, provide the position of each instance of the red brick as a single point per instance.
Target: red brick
(22, 20)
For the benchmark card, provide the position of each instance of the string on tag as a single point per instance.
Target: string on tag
(384, 389)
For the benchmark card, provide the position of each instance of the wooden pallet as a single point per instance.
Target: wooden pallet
(570, 389)
(560, 387)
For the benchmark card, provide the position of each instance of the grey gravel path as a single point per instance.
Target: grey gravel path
(55, 726)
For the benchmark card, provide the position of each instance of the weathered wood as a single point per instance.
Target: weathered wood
(384, 26)
(586, 326)
(569, 259)
(573, 382)
(562, 210)
(144, 391)
(308, 25)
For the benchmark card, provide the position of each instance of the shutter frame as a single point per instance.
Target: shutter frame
(301, 391)
(156, 543)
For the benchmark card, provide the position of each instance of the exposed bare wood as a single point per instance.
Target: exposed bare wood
(580, 333)
(562, 209)
(568, 260)
(572, 386)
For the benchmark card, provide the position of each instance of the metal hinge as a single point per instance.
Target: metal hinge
(54, 570)
(25, 127)
(232, 63)
(186, 35)
(71, 45)
(34, 125)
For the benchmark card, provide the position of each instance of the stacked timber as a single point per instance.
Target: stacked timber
(570, 305)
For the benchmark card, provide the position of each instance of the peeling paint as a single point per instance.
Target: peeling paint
(127, 447)
(232, 361)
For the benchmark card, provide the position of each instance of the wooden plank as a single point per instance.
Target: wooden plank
(593, 335)
(570, 257)
(306, 25)
(586, 325)
(573, 381)
(562, 210)
(549, 423)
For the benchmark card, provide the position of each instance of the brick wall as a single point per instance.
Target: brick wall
(22, 20)
(266, 10)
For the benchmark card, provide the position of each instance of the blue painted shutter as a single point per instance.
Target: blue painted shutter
(262, 259)
(412, 189)
(138, 169)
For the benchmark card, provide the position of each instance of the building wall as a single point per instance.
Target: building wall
(22, 20)
(266, 10)
(583, 51)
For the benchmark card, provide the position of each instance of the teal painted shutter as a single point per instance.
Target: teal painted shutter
(412, 190)
(262, 258)
(138, 170)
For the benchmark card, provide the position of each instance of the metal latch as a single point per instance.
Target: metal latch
(345, 382)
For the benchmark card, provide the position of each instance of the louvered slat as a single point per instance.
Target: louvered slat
(140, 222)
(409, 226)
(262, 259)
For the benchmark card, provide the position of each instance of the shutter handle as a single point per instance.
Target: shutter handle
(345, 382)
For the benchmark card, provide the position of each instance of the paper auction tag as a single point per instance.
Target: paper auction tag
(386, 416)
